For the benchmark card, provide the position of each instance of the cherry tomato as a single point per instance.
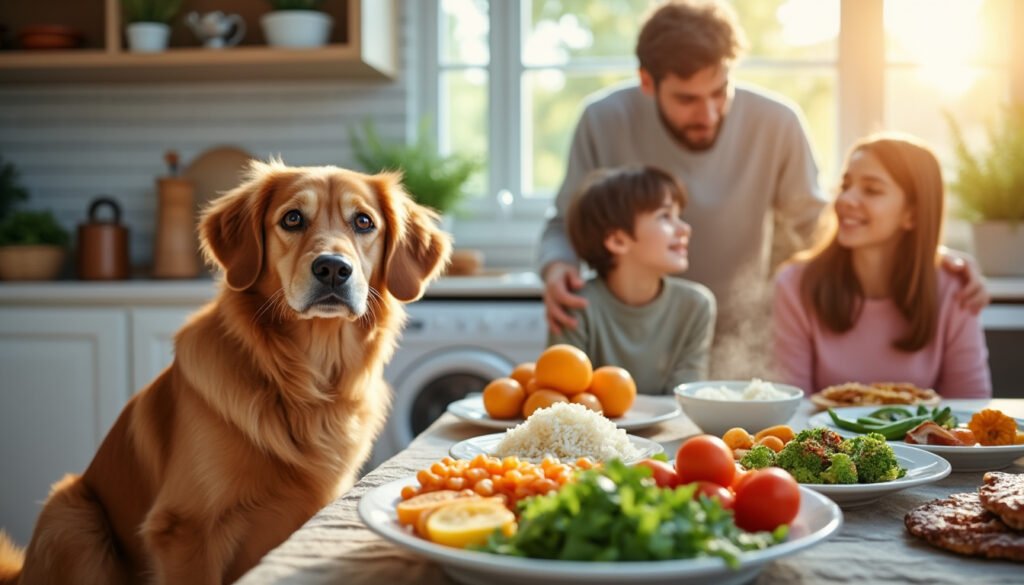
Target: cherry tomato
(766, 499)
(707, 458)
(713, 490)
(664, 474)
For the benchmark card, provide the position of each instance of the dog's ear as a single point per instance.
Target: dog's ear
(417, 250)
(231, 229)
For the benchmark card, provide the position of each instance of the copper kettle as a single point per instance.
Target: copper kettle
(103, 244)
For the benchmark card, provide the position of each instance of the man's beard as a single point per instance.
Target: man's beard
(680, 133)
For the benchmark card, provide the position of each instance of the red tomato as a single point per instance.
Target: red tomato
(766, 499)
(663, 473)
(706, 458)
(713, 490)
(739, 478)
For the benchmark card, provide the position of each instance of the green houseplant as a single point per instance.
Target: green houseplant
(148, 23)
(296, 24)
(433, 179)
(989, 187)
(32, 243)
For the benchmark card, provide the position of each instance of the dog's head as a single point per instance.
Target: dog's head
(326, 239)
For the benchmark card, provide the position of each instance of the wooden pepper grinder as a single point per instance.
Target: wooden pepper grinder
(175, 251)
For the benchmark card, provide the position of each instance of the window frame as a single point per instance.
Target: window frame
(860, 107)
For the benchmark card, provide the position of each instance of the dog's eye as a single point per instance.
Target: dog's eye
(293, 220)
(363, 223)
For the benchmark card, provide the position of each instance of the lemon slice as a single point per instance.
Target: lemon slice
(460, 523)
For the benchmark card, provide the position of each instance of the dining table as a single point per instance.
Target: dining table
(872, 545)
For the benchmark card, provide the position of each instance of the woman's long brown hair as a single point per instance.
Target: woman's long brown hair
(829, 284)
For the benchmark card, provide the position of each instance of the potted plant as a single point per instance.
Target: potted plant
(148, 23)
(989, 187)
(32, 243)
(433, 179)
(296, 24)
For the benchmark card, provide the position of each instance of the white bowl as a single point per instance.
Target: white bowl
(717, 416)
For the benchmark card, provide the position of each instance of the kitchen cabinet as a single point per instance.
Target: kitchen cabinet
(152, 337)
(362, 44)
(64, 381)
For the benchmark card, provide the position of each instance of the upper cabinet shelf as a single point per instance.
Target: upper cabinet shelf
(362, 45)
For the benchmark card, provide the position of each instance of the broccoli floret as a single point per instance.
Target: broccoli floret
(842, 470)
(873, 457)
(759, 457)
(804, 459)
(826, 437)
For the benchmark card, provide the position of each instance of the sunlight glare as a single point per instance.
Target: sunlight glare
(945, 44)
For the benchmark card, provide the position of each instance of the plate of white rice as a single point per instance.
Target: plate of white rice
(565, 431)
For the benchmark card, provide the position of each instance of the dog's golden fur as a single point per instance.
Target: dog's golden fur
(274, 396)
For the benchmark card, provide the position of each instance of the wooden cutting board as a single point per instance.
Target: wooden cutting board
(215, 171)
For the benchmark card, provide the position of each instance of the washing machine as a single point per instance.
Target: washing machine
(449, 349)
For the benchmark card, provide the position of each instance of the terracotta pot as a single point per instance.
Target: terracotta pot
(34, 262)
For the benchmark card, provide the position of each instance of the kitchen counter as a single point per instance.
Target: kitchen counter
(871, 547)
(521, 284)
(197, 291)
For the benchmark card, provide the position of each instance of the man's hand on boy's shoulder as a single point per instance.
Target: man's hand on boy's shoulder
(561, 280)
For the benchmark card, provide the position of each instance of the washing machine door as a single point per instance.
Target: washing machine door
(424, 390)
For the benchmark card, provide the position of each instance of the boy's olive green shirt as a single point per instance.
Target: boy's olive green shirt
(663, 343)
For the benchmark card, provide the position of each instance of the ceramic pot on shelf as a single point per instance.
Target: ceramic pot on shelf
(296, 28)
(147, 37)
(103, 244)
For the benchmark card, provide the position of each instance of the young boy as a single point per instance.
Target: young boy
(626, 225)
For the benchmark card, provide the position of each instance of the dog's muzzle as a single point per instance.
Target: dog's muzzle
(333, 292)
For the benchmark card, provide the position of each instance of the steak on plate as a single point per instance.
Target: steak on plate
(960, 524)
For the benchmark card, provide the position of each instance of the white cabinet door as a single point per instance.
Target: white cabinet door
(153, 332)
(63, 381)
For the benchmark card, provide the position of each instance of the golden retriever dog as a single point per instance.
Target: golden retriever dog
(274, 397)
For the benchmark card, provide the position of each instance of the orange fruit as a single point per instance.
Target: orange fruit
(615, 388)
(541, 399)
(503, 398)
(523, 373)
(564, 368)
(589, 400)
(531, 386)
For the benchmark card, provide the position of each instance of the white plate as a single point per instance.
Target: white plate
(973, 458)
(818, 519)
(646, 411)
(486, 444)
(922, 467)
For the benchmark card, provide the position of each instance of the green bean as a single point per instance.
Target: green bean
(872, 421)
(892, 413)
(892, 431)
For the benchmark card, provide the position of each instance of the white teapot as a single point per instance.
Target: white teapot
(212, 28)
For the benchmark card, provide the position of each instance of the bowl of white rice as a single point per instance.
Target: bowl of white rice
(719, 405)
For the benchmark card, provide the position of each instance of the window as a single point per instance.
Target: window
(508, 79)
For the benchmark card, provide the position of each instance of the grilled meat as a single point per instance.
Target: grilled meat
(1003, 495)
(929, 433)
(960, 524)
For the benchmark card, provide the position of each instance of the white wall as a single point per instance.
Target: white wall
(74, 142)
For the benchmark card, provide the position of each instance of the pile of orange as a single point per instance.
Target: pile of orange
(562, 373)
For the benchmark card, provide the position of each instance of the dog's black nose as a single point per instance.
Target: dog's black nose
(332, 269)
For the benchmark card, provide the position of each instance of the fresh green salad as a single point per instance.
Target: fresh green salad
(615, 513)
(820, 455)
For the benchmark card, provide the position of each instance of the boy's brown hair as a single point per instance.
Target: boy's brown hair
(685, 36)
(610, 200)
